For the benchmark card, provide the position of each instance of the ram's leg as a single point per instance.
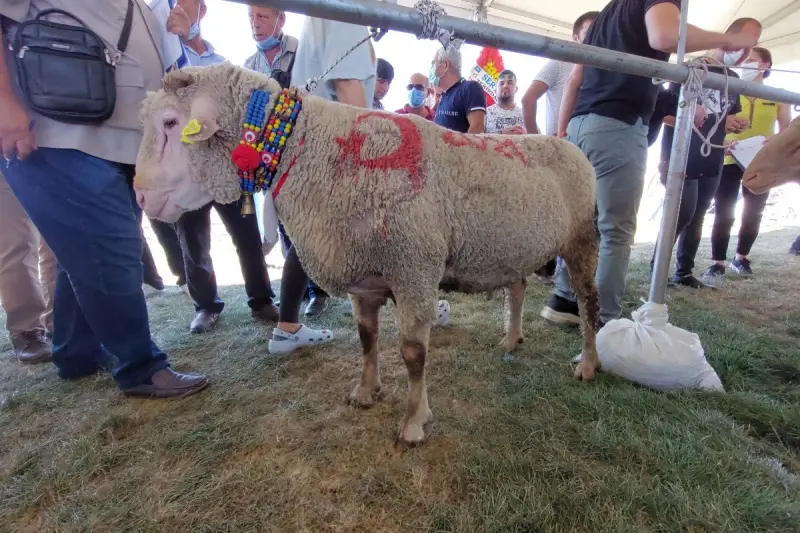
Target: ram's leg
(581, 258)
(366, 311)
(415, 316)
(514, 301)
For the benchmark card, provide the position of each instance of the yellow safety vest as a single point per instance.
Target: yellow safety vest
(762, 114)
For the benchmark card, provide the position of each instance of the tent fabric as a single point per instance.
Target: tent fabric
(780, 18)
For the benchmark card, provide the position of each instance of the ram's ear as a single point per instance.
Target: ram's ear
(177, 79)
(202, 123)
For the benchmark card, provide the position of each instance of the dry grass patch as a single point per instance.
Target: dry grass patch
(515, 447)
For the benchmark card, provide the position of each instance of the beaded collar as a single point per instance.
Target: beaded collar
(262, 141)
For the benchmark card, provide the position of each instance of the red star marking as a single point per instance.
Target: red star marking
(461, 139)
(407, 156)
(508, 148)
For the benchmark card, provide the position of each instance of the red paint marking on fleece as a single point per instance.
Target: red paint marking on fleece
(277, 188)
(460, 139)
(407, 156)
(506, 147)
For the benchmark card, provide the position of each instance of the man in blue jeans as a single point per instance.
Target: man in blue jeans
(606, 114)
(71, 181)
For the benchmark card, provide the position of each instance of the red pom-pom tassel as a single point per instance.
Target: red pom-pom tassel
(245, 158)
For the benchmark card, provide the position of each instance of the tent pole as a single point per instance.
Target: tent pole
(676, 175)
(404, 19)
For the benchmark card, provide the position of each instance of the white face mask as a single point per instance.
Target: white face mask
(748, 71)
(731, 58)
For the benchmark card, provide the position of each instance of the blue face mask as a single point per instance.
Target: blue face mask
(432, 77)
(416, 98)
(194, 30)
(269, 43)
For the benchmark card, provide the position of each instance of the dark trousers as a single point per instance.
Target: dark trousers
(695, 201)
(194, 232)
(168, 238)
(724, 215)
(796, 245)
(82, 207)
(313, 290)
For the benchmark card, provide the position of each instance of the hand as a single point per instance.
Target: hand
(15, 131)
(735, 124)
(740, 41)
(700, 116)
(562, 134)
(729, 148)
(178, 22)
(514, 130)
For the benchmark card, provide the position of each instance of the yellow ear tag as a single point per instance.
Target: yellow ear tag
(192, 128)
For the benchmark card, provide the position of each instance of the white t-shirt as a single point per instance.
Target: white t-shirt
(498, 118)
(555, 75)
(322, 43)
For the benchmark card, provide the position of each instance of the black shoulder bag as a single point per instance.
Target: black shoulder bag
(66, 72)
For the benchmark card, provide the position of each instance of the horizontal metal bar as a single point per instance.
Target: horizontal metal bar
(393, 17)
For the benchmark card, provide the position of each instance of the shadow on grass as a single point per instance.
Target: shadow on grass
(515, 447)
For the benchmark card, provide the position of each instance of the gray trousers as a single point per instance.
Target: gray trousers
(618, 153)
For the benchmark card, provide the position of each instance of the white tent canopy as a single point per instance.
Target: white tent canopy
(780, 18)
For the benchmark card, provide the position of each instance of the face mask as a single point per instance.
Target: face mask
(194, 29)
(416, 98)
(749, 73)
(270, 42)
(731, 58)
(432, 77)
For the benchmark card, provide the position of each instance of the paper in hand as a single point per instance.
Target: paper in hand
(745, 151)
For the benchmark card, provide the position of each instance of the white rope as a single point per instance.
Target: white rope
(693, 90)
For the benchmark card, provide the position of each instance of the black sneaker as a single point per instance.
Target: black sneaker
(714, 276)
(561, 311)
(742, 267)
(691, 282)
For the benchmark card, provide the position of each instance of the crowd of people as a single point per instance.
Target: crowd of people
(67, 187)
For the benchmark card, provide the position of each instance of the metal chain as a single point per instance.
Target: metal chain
(374, 33)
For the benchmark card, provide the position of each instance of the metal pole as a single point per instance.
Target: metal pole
(393, 17)
(676, 175)
(682, 32)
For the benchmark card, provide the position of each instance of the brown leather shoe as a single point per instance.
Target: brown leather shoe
(268, 313)
(204, 321)
(167, 383)
(32, 347)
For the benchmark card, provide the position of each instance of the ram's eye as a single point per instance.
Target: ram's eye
(170, 123)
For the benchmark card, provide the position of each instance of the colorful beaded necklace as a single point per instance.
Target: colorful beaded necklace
(262, 141)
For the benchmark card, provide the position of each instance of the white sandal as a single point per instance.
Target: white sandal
(283, 342)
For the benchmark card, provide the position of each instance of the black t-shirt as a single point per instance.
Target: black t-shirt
(458, 102)
(698, 166)
(620, 27)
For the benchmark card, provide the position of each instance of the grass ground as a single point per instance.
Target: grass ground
(515, 447)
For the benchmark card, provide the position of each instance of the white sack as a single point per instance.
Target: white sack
(652, 352)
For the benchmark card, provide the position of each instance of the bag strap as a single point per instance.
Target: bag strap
(126, 29)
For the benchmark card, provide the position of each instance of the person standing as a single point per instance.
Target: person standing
(275, 58)
(462, 105)
(505, 116)
(70, 179)
(762, 116)
(194, 228)
(606, 114)
(702, 172)
(551, 80)
(351, 82)
(385, 73)
(418, 89)
(27, 281)
(276, 51)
